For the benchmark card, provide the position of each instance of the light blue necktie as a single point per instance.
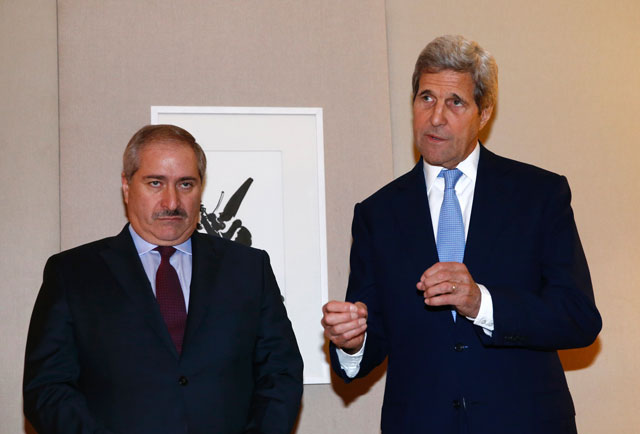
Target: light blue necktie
(450, 242)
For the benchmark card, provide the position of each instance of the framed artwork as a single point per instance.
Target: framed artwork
(265, 188)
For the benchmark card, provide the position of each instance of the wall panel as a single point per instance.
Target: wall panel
(29, 177)
(569, 98)
(119, 58)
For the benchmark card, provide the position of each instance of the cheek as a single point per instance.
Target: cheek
(145, 208)
(192, 206)
(419, 118)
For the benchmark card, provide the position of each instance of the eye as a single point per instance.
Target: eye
(458, 102)
(427, 98)
(186, 185)
(154, 183)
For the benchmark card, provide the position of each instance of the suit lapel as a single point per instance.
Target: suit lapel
(490, 210)
(413, 218)
(205, 266)
(418, 244)
(122, 259)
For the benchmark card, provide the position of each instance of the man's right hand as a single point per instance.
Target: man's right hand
(345, 324)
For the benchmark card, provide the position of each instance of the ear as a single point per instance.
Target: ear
(125, 189)
(485, 115)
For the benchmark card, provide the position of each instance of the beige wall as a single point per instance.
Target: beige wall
(30, 229)
(569, 101)
(568, 92)
(119, 58)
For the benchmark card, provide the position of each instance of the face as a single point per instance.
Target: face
(163, 196)
(446, 121)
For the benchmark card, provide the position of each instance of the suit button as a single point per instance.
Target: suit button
(459, 347)
(183, 381)
(456, 404)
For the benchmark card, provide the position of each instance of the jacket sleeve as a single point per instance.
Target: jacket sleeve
(560, 311)
(362, 287)
(53, 402)
(277, 365)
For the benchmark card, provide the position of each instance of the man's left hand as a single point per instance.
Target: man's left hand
(449, 283)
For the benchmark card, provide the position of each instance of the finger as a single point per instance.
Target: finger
(434, 277)
(440, 300)
(440, 267)
(339, 306)
(353, 333)
(453, 272)
(445, 267)
(440, 276)
(331, 319)
(346, 327)
(362, 310)
(351, 339)
(355, 342)
(441, 288)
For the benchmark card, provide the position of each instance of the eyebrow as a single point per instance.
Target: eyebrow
(453, 95)
(164, 178)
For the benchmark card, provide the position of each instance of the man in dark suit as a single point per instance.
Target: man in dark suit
(161, 329)
(467, 273)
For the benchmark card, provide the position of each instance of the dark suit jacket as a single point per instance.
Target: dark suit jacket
(524, 247)
(99, 357)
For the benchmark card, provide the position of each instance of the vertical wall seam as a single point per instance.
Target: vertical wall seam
(59, 141)
(389, 105)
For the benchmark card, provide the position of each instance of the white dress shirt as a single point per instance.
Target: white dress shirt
(181, 260)
(465, 188)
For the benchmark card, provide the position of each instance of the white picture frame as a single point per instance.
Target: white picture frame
(281, 209)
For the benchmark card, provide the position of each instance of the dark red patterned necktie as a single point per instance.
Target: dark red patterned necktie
(170, 297)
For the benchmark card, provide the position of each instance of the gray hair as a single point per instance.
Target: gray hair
(454, 52)
(162, 133)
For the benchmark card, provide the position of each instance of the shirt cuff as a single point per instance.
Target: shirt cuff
(485, 314)
(350, 363)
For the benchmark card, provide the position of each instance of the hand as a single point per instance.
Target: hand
(449, 283)
(344, 324)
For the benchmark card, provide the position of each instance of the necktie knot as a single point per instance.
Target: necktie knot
(165, 251)
(451, 177)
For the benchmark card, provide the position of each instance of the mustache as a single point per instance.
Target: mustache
(178, 212)
(432, 132)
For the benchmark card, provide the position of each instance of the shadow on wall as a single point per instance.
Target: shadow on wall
(28, 429)
(580, 358)
(350, 392)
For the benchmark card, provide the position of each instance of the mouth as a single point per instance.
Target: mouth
(432, 138)
(169, 219)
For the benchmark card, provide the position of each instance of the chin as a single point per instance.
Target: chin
(434, 160)
(169, 238)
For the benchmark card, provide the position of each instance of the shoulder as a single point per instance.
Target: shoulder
(412, 181)
(83, 252)
(227, 247)
(517, 172)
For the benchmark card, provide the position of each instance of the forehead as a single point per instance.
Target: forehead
(447, 82)
(169, 155)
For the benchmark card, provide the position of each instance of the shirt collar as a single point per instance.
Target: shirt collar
(143, 246)
(468, 166)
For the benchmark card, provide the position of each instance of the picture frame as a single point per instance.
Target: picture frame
(265, 187)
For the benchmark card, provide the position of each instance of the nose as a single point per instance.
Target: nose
(437, 116)
(170, 198)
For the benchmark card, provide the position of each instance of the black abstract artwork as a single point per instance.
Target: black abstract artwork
(224, 224)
